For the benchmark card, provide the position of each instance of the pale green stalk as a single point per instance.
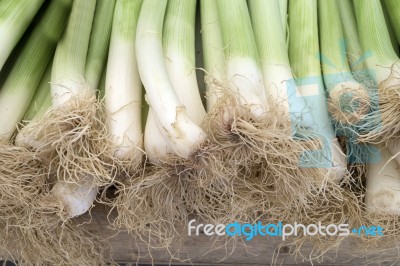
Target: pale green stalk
(283, 8)
(102, 84)
(353, 46)
(15, 17)
(179, 50)
(383, 65)
(303, 40)
(303, 51)
(375, 38)
(99, 42)
(389, 12)
(70, 58)
(243, 72)
(332, 40)
(276, 70)
(42, 97)
(392, 9)
(213, 48)
(347, 96)
(39, 105)
(20, 85)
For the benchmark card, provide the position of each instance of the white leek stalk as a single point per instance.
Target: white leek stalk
(179, 50)
(306, 69)
(19, 87)
(70, 57)
(243, 72)
(68, 69)
(15, 17)
(123, 92)
(76, 199)
(276, 71)
(356, 58)
(213, 48)
(183, 134)
(157, 146)
(382, 193)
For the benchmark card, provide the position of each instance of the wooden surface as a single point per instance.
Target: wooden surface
(198, 250)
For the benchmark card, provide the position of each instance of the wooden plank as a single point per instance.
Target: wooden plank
(199, 250)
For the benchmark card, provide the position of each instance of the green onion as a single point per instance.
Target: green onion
(243, 71)
(157, 147)
(383, 66)
(303, 52)
(276, 70)
(68, 69)
(179, 51)
(40, 103)
(213, 48)
(283, 8)
(349, 26)
(42, 96)
(390, 12)
(123, 91)
(374, 37)
(15, 17)
(70, 58)
(19, 88)
(349, 98)
(102, 85)
(182, 133)
(99, 42)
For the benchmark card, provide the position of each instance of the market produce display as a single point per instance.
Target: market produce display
(230, 111)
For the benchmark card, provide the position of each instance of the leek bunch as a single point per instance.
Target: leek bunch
(102, 97)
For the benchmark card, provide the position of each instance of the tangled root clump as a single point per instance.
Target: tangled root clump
(151, 206)
(382, 123)
(40, 233)
(22, 177)
(158, 204)
(74, 139)
(34, 228)
(261, 161)
(340, 204)
(350, 106)
(249, 169)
